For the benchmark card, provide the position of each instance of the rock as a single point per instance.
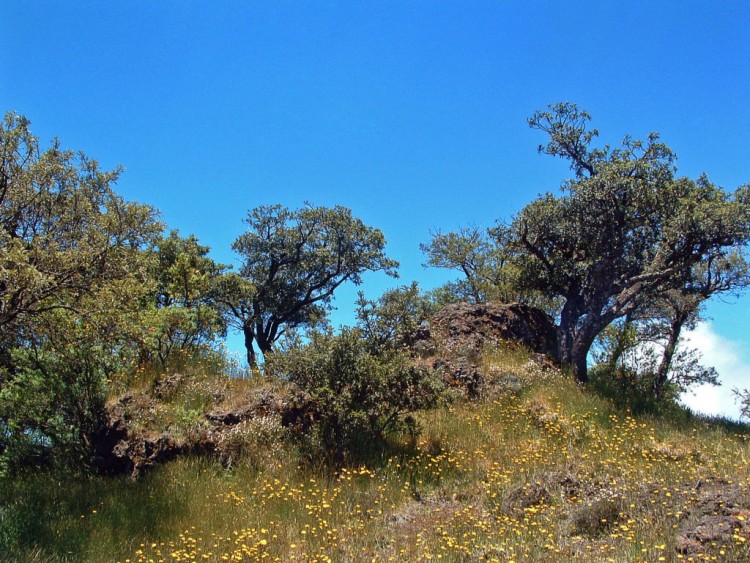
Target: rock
(230, 417)
(721, 511)
(424, 348)
(713, 529)
(467, 328)
(460, 373)
(165, 387)
(110, 448)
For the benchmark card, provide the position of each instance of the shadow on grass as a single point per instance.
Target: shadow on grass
(53, 517)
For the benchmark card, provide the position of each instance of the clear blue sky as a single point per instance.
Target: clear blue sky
(413, 114)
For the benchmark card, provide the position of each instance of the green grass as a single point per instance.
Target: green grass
(524, 476)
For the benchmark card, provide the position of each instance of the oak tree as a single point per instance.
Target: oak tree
(625, 230)
(292, 263)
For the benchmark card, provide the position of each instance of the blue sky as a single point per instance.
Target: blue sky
(413, 114)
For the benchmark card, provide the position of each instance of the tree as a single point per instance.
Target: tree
(646, 344)
(183, 314)
(681, 308)
(52, 401)
(489, 268)
(62, 227)
(73, 276)
(393, 320)
(626, 230)
(292, 263)
(471, 252)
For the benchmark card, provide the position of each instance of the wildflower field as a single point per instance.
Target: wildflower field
(540, 470)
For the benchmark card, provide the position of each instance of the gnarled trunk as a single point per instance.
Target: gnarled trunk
(575, 338)
(247, 331)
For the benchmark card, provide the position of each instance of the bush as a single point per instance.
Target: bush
(629, 390)
(52, 405)
(351, 395)
(596, 518)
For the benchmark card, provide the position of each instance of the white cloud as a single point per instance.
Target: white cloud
(730, 360)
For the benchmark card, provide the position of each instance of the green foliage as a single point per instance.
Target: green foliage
(55, 386)
(353, 395)
(395, 318)
(628, 364)
(183, 315)
(489, 267)
(626, 230)
(62, 227)
(480, 262)
(292, 263)
(73, 276)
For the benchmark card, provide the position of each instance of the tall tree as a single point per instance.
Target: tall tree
(73, 274)
(292, 263)
(62, 227)
(625, 230)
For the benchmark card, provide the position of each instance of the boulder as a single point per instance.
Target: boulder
(466, 328)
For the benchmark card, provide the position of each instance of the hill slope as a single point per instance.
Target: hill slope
(538, 469)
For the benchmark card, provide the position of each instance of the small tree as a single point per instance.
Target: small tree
(677, 309)
(292, 263)
(742, 398)
(479, 260)
(489, 267)
(392, 321)
(183, 314)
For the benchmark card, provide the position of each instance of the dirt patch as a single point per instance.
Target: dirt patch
(720, 515)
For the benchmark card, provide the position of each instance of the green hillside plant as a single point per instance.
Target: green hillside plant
(354, 394)
(73, 275)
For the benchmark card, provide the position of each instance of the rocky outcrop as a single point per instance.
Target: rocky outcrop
(721, 513)
(131, 439)
(456, 336)
(468, 328)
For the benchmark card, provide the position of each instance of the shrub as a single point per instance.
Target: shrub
(596, 518)
(351, 395)
(630, 390)
(52, 405)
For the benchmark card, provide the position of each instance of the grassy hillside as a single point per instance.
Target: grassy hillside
(537, 470)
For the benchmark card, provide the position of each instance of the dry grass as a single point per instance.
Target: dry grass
(541, 470)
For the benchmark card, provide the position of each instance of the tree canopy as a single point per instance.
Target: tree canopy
(73, 278)
(292, 263)
(625, 231)
(62, 227)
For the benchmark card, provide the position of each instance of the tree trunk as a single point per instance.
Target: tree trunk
(249, 338)
(662, 374)
(574, 343)
(566, 335)
(579, 357)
